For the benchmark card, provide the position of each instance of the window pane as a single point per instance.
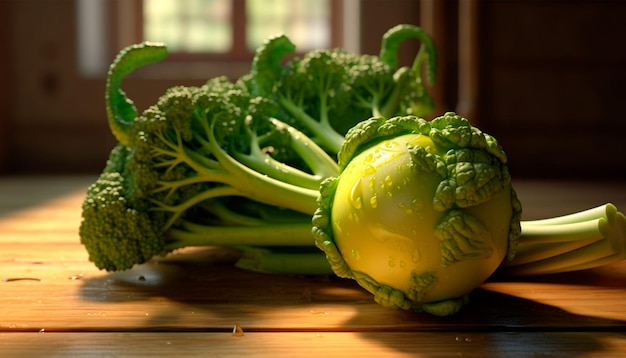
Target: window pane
(189, 25)
(305, 22)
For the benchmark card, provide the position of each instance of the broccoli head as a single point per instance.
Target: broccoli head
(326, 92)
(116, 235)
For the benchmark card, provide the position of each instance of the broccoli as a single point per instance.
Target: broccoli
(330, 152)
(326, 92)
(174, 179)
(253, 140)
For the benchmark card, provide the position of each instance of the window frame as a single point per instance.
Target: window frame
(129, 29)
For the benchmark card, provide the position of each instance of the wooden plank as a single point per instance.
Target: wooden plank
(314, 344)
(200, 290)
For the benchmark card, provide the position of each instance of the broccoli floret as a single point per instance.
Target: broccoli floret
(310, 88)
(116, 235)
(176, 164)
(326, 92)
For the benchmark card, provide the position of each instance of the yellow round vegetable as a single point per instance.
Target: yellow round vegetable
(422, 212)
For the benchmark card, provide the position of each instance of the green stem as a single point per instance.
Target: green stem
(395, 36)
(271, 167)
(527, 253)
(284, 234)
(226, 216)
(266, 64)
(553, 233)
(180, 209)
(258, 186)
(583, 240)
(120, 110)
(580, 258)
(326, 136)
(320, 163)
(284, 261)
(262, 162)
(585, 215)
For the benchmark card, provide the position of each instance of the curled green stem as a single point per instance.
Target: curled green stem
(392, 40)
(121, 111)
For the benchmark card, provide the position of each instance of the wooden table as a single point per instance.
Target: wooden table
(55, 303)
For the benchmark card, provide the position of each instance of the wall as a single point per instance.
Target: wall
(551, 79)
(553, 85)
(55, 114)
(5, 86)
(57, 118)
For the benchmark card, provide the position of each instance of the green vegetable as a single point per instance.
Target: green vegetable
(219, 164)
(579, 241)
(174, 180)
(326, 92)
(418, 212)
(424, 212)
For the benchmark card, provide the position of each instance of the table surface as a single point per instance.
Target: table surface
(55, 303)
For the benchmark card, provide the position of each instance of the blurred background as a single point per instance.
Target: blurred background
(547, 78)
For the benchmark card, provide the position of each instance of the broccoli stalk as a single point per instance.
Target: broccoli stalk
(408, 94)
(258, 157)
(118, 236)
(579, 241)
(121, 111)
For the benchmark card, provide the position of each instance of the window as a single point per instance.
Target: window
(223, 32)
(189, 25)
(233, 29)
(307, 22)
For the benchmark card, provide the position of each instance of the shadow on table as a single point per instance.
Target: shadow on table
(19, 193)
(204, 281)
(499, 325)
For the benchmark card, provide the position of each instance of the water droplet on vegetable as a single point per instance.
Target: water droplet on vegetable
(353, 217)
(416, 256)
(337, 226)
(355, 195)
(407, 210)
(355, 254)
(369, 169)
(374, 201)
